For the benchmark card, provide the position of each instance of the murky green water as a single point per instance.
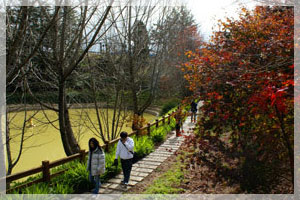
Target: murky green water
(42, 139)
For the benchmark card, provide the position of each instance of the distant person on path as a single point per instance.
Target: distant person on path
(194, 111)
(96, 163)
(178, 118)
(125, 151)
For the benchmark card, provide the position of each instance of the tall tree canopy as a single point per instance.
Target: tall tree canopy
(178, 33)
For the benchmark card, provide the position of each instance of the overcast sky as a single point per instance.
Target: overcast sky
(208, 12)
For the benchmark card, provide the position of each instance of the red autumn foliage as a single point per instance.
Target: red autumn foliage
(245, 77)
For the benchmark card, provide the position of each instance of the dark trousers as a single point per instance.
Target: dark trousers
(126, 167)
(194, 116)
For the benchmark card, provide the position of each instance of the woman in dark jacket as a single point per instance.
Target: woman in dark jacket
(96, 163)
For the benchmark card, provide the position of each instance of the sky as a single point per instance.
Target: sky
(208, 12)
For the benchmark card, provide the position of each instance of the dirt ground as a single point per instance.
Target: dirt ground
(208, 169)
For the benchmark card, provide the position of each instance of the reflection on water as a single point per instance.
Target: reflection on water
(42, 139)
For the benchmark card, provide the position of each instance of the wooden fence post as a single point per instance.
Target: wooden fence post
(106, 146)
(7, 185)
(148, 129)
(163, 120)
(82, 155)
(46, 171)
(138, 132)
(156, 123)
(169, 118)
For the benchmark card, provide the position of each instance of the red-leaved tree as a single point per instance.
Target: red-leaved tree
(245, 76)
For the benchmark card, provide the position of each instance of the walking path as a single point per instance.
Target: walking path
(144, 167)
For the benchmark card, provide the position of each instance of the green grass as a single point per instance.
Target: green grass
(72, 180)
(169, 182)
(69, 182)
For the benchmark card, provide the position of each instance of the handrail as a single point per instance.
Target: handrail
(46, 165)
(65, 160)
(23, 174)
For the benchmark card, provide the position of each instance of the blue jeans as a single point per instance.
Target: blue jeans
(95, 181)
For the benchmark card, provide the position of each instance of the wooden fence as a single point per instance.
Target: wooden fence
(46, 165)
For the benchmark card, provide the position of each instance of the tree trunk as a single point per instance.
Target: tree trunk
(68, 140)
(8, 152)
(287, 143)
(132, 74)
(131, 68)
(70, 134)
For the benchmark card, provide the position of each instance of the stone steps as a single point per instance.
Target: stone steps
(147, 165)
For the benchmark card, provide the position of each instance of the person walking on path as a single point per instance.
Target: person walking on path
(95, 163)
(125, 152)
(178, 118)
(194, 111)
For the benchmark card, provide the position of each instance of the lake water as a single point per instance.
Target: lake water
(42, 140)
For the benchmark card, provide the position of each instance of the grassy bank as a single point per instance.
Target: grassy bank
(75, 180)
(169, 182)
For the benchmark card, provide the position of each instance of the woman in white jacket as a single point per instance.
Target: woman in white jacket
(95, 163)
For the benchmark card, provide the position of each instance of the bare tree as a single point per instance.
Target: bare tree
(22, 46)
(19, 53)
(107, 93)
(103, 75)
(140, 63)
(59, 50)
(65, 53)
(18, 134)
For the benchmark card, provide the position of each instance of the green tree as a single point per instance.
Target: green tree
(178, 33)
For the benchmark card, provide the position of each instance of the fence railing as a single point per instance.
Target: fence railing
(46, 165)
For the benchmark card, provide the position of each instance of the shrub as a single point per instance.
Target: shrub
(73, 180)
(143, 146)
(159, 135)
(168, 106)
(258, 175)
(110, 170)
(77, 178)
